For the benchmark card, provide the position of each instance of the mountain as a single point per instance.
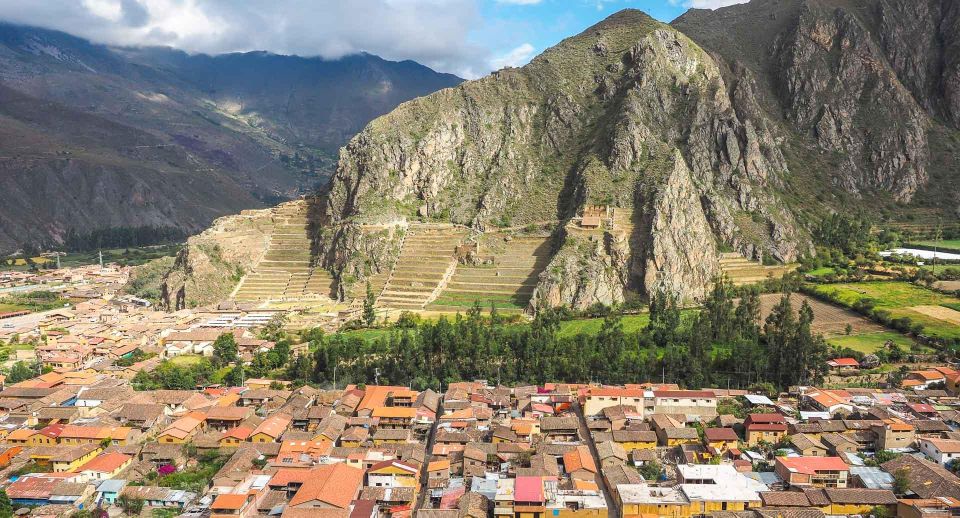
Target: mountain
(728, 134)
(96, 136)
(729, 130)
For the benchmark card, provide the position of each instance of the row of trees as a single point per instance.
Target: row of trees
(721, 345)
(121, 237)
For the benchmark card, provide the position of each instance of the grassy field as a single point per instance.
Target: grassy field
(121, 256)
(946, 244)
(591, 326)
(867, 343)
(901, 299)
(631, 324)
(187, 360)
(7, 307)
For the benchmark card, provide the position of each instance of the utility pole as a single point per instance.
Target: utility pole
(58, 260)
(937, 236)
(100, 254)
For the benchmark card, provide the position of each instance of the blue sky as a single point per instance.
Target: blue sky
(517, 30)
(469, 38)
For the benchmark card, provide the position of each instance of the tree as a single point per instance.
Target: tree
(6, 506)
(369, 315)
(131, 506)
(651, 470)
(224, 350)
(19, 372)
(901, 482)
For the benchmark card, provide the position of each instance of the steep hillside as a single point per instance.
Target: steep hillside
(873, 85)
(307, 101)
(181, 138)
(631, 114)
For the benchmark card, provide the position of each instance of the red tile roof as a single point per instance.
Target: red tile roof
(811, 465)
(333, 484)
(106, 463)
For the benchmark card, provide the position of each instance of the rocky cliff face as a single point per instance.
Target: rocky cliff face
(860, 81)
(630, 114)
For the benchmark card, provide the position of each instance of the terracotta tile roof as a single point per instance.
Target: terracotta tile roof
(273, 426)
(334, 484)
(229, 502)
(395, 412)
(784, 499)
(106, 463)
(579, 459)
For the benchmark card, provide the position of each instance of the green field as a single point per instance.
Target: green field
(868, 343)
(568, 328)
(591, 326)
(121, 256)
(945, 245)
(187, 360)
(820, 272)
(899, 299)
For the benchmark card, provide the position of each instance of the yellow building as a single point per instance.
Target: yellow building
(64, 458)
(635, 439)
(644, 500)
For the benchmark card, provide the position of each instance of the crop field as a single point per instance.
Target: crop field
(827, 318)
(871, 342)
(903, 299)
(945, 245)
(947, 285)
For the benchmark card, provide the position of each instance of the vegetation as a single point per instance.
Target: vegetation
(38, 300)
(721, 344)
(6, 507)
(894, 304)
(121, 237)
(197, 478)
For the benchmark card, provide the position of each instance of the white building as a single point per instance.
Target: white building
(941, 451)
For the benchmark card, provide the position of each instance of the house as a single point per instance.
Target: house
(105, 466)
(154, 496)
(720, 439)
(813, 471)
(108, 491)
(116, 435)
(808, 445)
(226, 417)
(635, 439)
(597, 399)
(843, 365)
(941, 507)
(648, 501)
(227, 505)
(181, 430)
(560, 429)
(894, 434)
(271, 428)
(925, 479)
(392, 473)
(579, 465)
(941, 451)
(768, 428)
(701, 403)
(394, 416)
(8, 453)
(61, 459)
(832, 501)
(331, 486)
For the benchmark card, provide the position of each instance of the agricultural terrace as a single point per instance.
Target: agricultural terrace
(934, 311)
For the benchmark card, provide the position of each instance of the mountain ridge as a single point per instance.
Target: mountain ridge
(265, 156)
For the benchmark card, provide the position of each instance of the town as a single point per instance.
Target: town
(85, 429)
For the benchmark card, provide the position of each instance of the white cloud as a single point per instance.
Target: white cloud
(514, 58)
(711, 4)
(432, 32)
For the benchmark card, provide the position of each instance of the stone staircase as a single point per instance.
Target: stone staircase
(285, 271)
(507, 280)
(425, 263)
(741, 270)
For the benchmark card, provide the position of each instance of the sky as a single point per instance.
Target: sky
(469, 38)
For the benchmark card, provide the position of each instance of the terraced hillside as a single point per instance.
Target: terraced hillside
(506, 274)
(285, 271)
(426, 262)
(741, 270)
